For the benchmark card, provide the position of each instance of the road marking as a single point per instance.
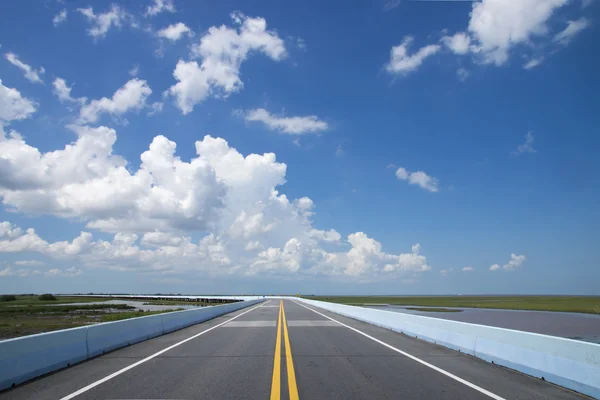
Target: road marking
(291, 374)
(119, 372)
(250, 324)
(276, 380)
(425, 363)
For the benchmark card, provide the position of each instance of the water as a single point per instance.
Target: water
(576, 326)
(139, 305)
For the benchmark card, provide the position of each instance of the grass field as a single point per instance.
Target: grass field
(28, 315)
(433, 309)
(175, 303)
(589, 305)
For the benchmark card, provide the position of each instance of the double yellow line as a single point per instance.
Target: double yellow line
(289, 362)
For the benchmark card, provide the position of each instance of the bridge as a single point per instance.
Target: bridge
(286, 349)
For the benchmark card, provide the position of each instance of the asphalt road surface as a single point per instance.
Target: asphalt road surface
(285, 350)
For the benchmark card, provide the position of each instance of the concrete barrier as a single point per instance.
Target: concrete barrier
(28, 357)
(569, 363)
(25, 358)
(105, 337)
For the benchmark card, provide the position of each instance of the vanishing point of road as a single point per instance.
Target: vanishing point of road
(281, 349)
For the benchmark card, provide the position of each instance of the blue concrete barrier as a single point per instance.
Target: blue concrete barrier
(569, 363)
(25, 358)
(28, 357)
(112, 335)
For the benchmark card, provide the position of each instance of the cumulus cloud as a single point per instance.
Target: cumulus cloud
(60, 17)
(249, 226)
(175, 32)
(468, 269)
(155, 108)
(514, 263)
(526, 147)
(290, 125)
(222, 50)
(159, 6)
(458, 43)
(498, 25)
(13, 106)
(573, 28)
(131, 96)
(445, 272)
(103, 22)
(63, 92)
(30, 74)
(402, 63)
(419, 178)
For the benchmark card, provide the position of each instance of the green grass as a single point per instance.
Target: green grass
(132, 314)
(60, 309)
(33, 300)
(28, 315)
(588, 304)
(433, 309)
(175, 303)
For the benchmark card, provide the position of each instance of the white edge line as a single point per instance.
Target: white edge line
(119, 372)
(425, 363)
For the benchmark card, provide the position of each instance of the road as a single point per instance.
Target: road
(286, 350)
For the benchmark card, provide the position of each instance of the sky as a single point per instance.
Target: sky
(372, 147)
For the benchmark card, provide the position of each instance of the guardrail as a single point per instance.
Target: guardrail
(28, 357)
(569, 363)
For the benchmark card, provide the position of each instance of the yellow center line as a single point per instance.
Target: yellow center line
(276, 381)
(293, 388)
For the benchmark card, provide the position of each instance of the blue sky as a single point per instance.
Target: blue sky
(398, 147)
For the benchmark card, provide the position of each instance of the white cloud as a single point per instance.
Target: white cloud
(418, 178)
(222, 50)
(468, 269)
(18, 272)
(402, 63)
(526, 147)
(534, 62)
(445, 272)
(131, 96)
(134, 71)
(60, 17)
(290, 125)
(339, 151)
(69, 272)
(459, 43)
(103, 22)
(155, 108)
(30, 74)
(63, 92)
(159, 6)
(462, 74)
(572, 29)
(13, 106)
(29, 263)
(391, 4)
(175, 32)
(498, 25)
(514, 263)
(249, 226)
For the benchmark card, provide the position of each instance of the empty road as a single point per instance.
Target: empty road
(285, 350)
